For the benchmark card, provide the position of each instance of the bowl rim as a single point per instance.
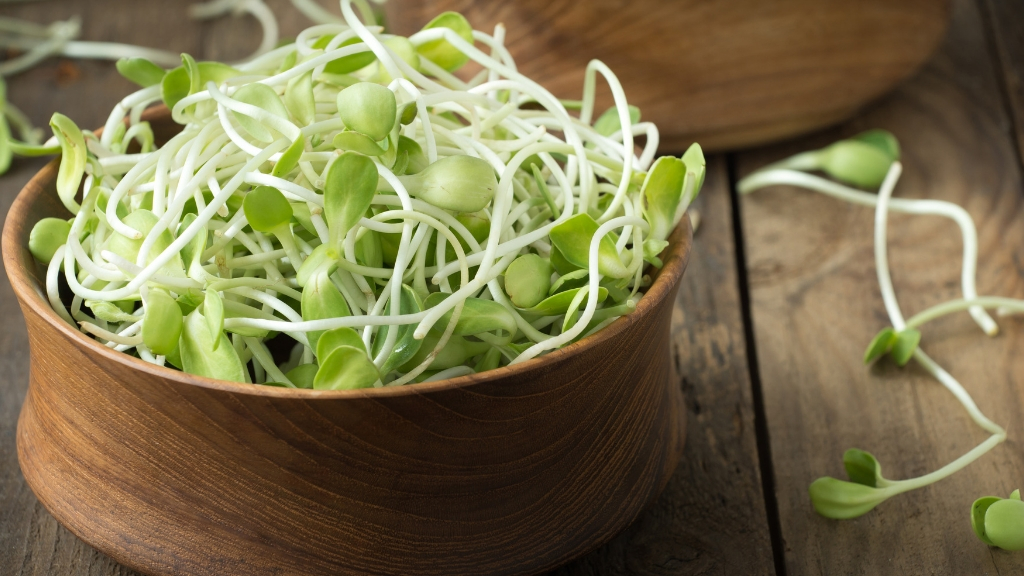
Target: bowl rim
(30, 295)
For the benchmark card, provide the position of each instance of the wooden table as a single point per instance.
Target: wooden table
(777, 306)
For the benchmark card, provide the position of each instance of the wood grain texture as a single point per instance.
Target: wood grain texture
(727, 75)
(816, 305)
(1005, 19)
(713, 505)
(32, 543)
(509, 472)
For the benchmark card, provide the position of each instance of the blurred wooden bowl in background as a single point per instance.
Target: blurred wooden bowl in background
(725, 74)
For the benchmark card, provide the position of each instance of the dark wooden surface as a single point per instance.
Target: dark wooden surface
(816, 304)
(773, 416)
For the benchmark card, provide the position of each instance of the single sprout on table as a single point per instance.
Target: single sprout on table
(999, 522)
(868, 160)
(344, 212)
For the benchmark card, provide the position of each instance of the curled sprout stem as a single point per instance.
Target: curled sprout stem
(832, 499)
(357, 197)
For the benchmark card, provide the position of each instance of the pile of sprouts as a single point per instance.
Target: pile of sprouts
(345, 211)
(871, 160)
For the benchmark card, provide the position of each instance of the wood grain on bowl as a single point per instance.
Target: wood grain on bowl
(513, 471)
(725, 74)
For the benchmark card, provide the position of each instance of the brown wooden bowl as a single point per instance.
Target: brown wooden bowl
(725, 74)
(513, 471)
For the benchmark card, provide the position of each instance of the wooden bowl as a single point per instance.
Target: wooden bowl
(513, 471)
(725, 74)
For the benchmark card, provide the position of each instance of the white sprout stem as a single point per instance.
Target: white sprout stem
(949, 210)
(592, 292)
(998, 302)
(946, 379)
(892, 307)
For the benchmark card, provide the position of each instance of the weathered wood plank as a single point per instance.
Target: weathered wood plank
(816, 304)
(713, 506)
(1006, 23)
(32, 543)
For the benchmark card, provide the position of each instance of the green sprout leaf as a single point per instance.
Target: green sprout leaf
(266, 209)
(298, 98)
(862, 468)
(213, 310)
(200, 356)
(560, 263)
(369, 109)
(290, 158)
(662, 191)
(842, 500)
(128, 248)
(323, 257)
(542, 186)
(899, 345)
(695, 165)
(6, 148)
(162, 325)
(978, 511)
(141, 71)
(337, 337)
(441, 52)
(455, 353)
(46, 237)
(303, 217)
(653, 249)
(1004, 524)
(883, 140)
(880, 345)
(368, 250)
(527, 280)
(406, 346)
(192, 253)
(349, 187)
(303, 375)
(179, 82)
(608, 123)
(400, 46)
(356, 142)
(346, 64)
(347, 368)
(417, 160)
(459, 183)
(856, 162)
(321, 299)
(491, 360)
(569, 280)
(572, 238)
(478, 316)
(904, 346)
(561, 302)
(265, 98)
(72, 161)
(109, 311)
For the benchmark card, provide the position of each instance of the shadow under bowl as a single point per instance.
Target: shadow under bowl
(512, 471)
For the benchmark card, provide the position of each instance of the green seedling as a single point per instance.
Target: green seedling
(442, 52)
(368, 109)
(162, 324)
(527, 280)
(573, 238)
